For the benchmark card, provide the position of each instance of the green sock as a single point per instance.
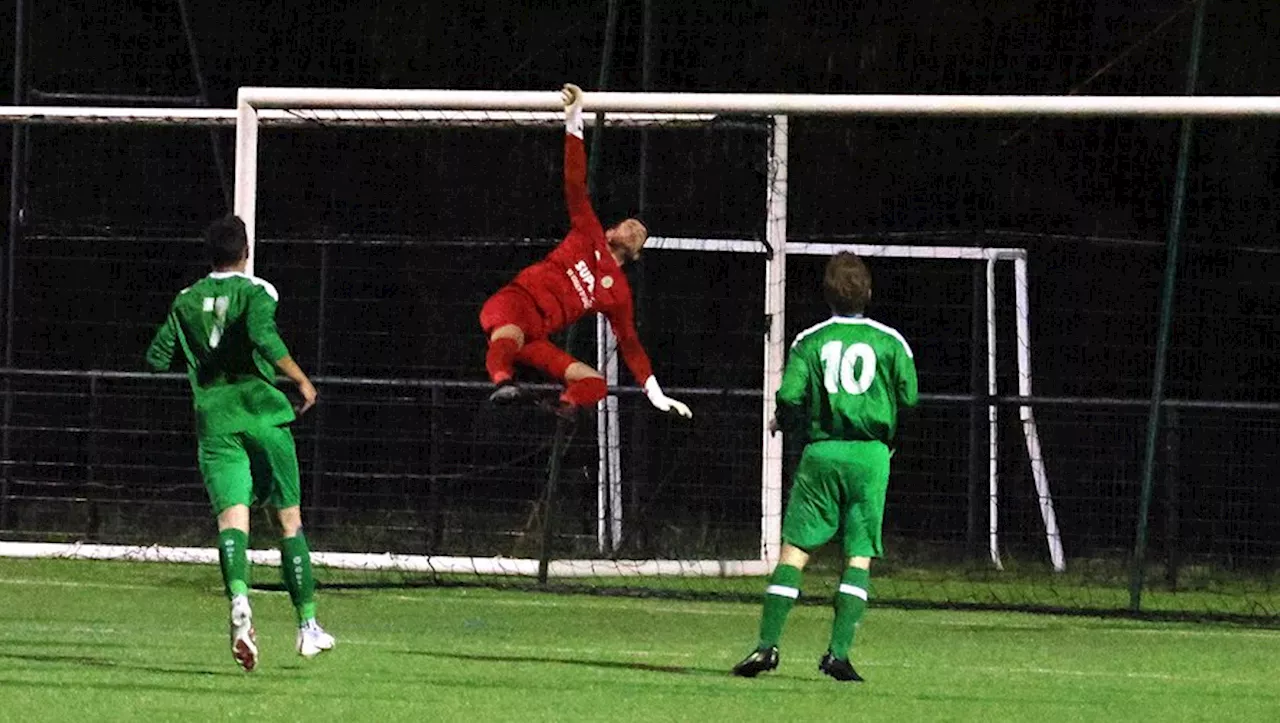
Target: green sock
(850, 604)
(233, 555)
(295, 569)
(784, 588)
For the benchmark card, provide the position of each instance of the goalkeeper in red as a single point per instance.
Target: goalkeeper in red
(582, 275)
(844, 382)
(225, 325)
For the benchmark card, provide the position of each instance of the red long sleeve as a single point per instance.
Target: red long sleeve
(582, 217)
(621, 316)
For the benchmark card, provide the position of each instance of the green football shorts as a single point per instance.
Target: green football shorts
(839, 489)
(259, 465)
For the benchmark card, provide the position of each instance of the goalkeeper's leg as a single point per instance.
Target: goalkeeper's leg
(509, 318)
(583, 385)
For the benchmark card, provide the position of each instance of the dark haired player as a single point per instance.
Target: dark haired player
(582, 275)
(225, 325)
(844, 382)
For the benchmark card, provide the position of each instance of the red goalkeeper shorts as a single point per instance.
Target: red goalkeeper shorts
(512, 305)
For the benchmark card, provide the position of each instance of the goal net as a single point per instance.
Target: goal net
(408, 473)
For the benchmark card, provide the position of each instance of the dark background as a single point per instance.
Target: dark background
(384, 243)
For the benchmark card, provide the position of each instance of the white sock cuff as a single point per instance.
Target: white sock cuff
(854, 590)
(782, 591)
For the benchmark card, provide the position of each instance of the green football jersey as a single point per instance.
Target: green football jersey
(845, 379)
(225, 324)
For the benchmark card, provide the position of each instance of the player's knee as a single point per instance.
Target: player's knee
(577, 371)
(290, 521)
(862, 563)
(235, 517)
(793, 556)
(508, 331)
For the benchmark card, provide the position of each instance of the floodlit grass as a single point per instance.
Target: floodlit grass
(125, 641)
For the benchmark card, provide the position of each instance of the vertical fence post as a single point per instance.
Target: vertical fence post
(435, 529)
(1173, 495)
(318, 414)
(219, 161)
(90, 470)
(559, 447)
(1177, 216)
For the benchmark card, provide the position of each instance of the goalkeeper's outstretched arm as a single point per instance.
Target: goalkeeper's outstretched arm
(576, 196)
(637, 361)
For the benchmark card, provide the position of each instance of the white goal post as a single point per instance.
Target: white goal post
(308, 107)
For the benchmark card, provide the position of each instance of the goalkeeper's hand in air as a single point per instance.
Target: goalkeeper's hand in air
(571, 96)
(664, 403)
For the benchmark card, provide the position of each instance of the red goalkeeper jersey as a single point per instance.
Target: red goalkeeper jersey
(580, 275)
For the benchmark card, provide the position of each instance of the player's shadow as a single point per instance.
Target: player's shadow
(34, 643)
(606, 664)
(99, 662)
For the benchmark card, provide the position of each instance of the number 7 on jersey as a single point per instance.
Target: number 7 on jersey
(218, 307)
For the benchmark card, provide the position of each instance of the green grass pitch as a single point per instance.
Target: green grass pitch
(121, 641)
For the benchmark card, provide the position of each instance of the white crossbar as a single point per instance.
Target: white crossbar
(369, 118)
(772, 103)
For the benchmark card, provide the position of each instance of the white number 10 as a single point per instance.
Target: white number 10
(839, 364)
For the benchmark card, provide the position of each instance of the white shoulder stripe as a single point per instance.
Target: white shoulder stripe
(856, 320)
(816, 327)
(266, 285)
(891, 332)
(271, 290)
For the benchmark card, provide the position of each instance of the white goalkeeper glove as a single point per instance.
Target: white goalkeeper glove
(663, 402)
(571, 96)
